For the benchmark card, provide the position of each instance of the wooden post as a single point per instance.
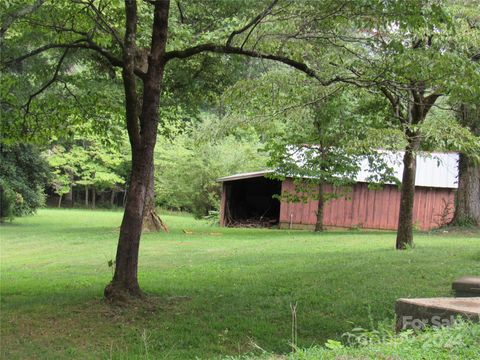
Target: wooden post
(223, 204)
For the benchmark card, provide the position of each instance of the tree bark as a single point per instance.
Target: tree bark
(467, 201)
(60, 200)
(321, 204)
(142, 123)
(151, 220)
(94, 195)
(412, 114)
(125, 282)
(86, 196)
(407, 194)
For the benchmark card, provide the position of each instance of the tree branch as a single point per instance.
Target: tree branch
(227, 49)
(180, 11)
(102, 22)
(47, 84)
(80, 105)
(83, 43)
(252, 22)
(10, 19)
(429, 101)
(59, 28)
(395, 102)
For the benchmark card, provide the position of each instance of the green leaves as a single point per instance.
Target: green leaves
(187, 167)
(87, 162)
(23, 175)
(450, 132)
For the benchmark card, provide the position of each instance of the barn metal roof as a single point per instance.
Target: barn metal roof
(438, 170)
(247, 175)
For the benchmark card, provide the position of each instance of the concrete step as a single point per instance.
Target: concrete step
(467, 286)
(418, 313)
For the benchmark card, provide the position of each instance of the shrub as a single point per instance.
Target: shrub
(7, 201)
(23, 175)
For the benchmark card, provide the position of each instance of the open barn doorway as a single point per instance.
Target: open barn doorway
(252, 202)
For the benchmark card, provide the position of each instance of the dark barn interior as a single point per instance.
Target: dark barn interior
(251, 202)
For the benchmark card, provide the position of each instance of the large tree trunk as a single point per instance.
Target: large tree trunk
(407, 194)
(142, 123)
(467, 202)
(321, 204)
(151, 220)
(125, 282)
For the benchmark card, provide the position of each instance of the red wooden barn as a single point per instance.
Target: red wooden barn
(250, 197)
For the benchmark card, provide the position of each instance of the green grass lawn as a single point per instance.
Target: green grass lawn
(213, 291)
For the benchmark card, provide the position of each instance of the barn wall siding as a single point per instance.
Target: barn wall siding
(370, 209)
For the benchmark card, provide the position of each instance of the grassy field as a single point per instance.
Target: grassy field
(213, 291)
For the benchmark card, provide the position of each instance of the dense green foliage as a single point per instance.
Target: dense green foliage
(86, 162)
(188, 166)
(213, 291)
(88, 85)
(23, 176)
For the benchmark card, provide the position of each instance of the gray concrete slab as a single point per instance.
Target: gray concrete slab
(418, 313)
(467, 286)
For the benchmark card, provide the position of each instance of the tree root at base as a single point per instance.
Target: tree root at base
(152, 222)
(118, 294)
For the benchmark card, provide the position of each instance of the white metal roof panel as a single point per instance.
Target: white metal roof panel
(438, 170)
(247, 175)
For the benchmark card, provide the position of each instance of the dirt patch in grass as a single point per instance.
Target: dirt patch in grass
(137, 310)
